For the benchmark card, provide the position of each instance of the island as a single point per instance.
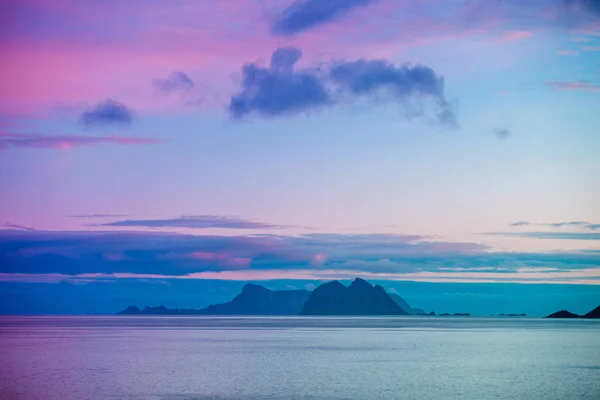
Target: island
(595, 313)
(253, 300)
(332, 298)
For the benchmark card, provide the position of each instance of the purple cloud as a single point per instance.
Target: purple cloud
(98, 216)
(281, 90)
(278, 89)
(306, 14)
(17, 226)
(108, 112)
(10, 140)
(134, 254)
(368, 77)
(178, 81)
(194, 222)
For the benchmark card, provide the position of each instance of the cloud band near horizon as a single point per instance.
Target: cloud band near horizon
(401, 257)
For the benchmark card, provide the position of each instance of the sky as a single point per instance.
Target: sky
(203, 144)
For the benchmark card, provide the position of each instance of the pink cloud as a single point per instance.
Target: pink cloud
(10, 140)
(514, 36)
(591, 48)
(579, 39)
(574, 85)
(318, 260)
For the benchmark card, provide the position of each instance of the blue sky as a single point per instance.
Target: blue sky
(260, 125)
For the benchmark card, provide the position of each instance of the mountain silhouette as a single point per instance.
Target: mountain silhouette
(253, 300)
(405, 306)
(258, 300)
(595, 313)
(563, 314)
(360, 298)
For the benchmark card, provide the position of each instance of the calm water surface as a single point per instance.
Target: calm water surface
(175, 358)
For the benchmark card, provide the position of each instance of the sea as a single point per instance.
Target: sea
(251, 358)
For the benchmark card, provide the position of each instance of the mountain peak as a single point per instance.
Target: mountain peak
(253, 288)
(360, 298)
(359, 282)
(595, 313)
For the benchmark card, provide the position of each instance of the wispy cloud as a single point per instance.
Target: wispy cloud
(195, 222)
(170, 253)
(177, 81)
(98, 216)
(393, 257)
(591, 48)
(281, 90)
(502, 133)
(368, 77)
(580, 224)
(552, 235)
(10, 140)
(520, 223)
(302, 15)
(567, 53)
(108, 112)
(18, 226)
(574, 85)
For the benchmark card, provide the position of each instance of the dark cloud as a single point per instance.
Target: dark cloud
(368, 77)
(16, 140)
(591, 5)
(520, 223)
(194, 221)
(282, 90)
(17, 226)
(177, 81)
(502, 133)
(306, 14)
(171, 254)
(570, 223)
(279, 89)
(108, 112)
(98, 216)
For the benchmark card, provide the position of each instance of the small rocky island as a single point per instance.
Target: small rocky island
(595, 313)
